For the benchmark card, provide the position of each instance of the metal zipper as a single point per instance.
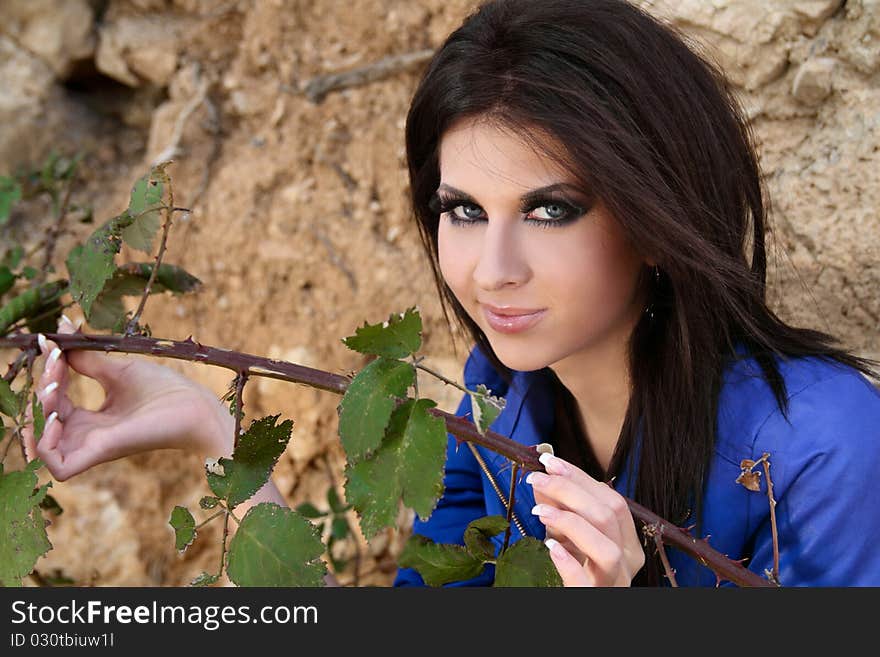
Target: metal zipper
(503, 499)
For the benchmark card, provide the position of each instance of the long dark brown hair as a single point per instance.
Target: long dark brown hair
(654, 130)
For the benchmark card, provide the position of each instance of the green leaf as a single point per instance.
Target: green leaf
(23, 537)
(486, 408)
(13, 256)
(334, 502)
(170, 278)
(309, 510)
(8, 400)
(205, 579)
(7, 279)
(10, 194)
(252, 461)
(29, 273)
(90, 265)
(208, 502)
(339, 528)
(39, 418)
(51, 505)
(131, 279)
(408, 465)
(184, 527)
(398, 337)
(526, 563)
(367, 405)
(144, 207)
(439, 563)
(274, 546)
(478, 535)
(34, 465)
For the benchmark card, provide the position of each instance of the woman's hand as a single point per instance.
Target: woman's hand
(146, 406)
(591, 533)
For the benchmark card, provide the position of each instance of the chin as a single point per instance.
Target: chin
(521, 359)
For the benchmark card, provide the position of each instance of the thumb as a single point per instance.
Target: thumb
(94, 364)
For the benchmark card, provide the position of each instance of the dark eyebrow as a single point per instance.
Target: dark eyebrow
(527, 198)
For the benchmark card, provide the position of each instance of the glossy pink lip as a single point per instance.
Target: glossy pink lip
(513, 320)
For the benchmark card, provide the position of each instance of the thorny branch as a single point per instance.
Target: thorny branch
(751, 480)
(240, 380)
(656, 532)
(463, 429)
(166, 226)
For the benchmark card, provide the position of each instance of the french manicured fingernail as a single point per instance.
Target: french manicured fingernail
(65, 318)
(49, 388)
(554, 464)
(49, 420)
(56, 353)
(41, 340)
(537, 479)
(554, 546)
(543, 510)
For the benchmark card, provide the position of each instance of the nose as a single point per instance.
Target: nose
(502, 260)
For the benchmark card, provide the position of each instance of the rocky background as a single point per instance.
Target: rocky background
(299, 228)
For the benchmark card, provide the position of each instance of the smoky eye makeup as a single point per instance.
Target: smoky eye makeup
(557, 209)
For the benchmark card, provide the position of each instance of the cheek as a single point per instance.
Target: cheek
(596, 274)
(451, 254)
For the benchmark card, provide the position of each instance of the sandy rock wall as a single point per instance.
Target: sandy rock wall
(299, 228)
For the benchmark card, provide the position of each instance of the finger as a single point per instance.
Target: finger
(605, 554)
(602, 491)
(569, 568)
(560, 491)
(62, 465)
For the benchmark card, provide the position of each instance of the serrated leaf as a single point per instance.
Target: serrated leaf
(34, 465)
(51, 505)
(439, 563)
(367, 405)
(526, 563)
(7, 279)
(39, 418)
(486, 408)
(252, 461)
(170, 278)
(184, 527)
(205, 579)
(397, 337)
(10, 194)
(309, 510)
(408, 465)
(274, 546)
(90, 266)
(208, 502)
(8, 400)
(144, 207)
(13, 256)
(478, 535)
(23, 537)
(334, 502)
(339, 528)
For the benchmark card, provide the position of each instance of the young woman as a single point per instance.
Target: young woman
(590, 201)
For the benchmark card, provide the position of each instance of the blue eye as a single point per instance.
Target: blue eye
(463, 212)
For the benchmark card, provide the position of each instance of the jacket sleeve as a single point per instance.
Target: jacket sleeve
(823, 469)
(462, 501)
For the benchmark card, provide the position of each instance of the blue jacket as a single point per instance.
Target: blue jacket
(822, 467)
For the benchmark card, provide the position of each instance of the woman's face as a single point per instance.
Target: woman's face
(581, 274)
